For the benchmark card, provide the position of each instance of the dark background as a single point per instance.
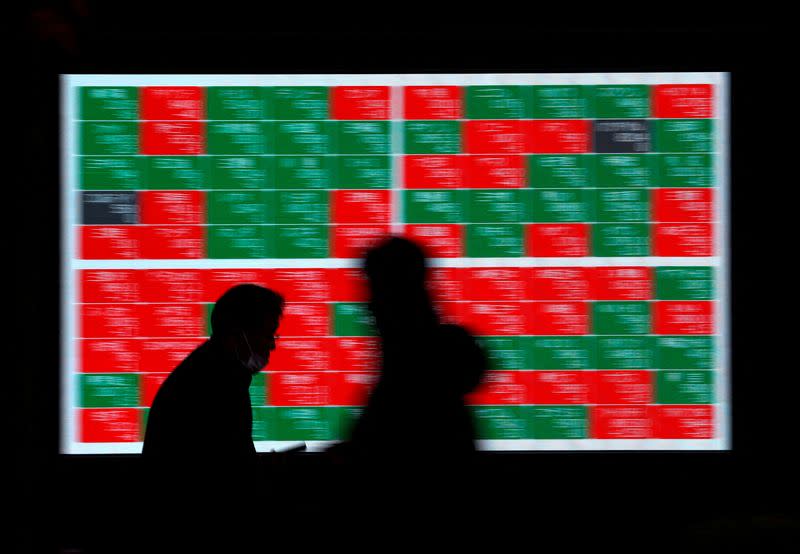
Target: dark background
(696, 501)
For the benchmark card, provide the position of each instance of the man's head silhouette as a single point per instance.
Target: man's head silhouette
(245, 320)
(396, 272)
(396, 263)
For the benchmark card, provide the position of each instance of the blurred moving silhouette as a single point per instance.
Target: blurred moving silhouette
(415, 436)
(198, 446)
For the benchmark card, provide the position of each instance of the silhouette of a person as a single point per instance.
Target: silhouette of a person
(415, 433)
(198, 445)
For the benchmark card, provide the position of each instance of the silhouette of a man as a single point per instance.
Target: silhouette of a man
(409, 457)
(198, 447)
(202, 410)
(416, 414)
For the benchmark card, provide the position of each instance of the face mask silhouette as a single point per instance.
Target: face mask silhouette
(255, 362)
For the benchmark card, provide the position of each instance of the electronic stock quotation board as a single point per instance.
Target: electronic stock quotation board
(576, 224)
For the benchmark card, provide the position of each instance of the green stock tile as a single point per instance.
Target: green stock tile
(352, 319)
(263, 426)
(434, 206)
(497, 206)
(432, 137)
(108, 390)
(549, 171)
(504, 352)
(559, 352)
(119, 138)
(304, 137)
(684, 283)
(109, 103)
(362, 137)
(622, 205)
(685, 352)
(683, 135)
(499, 422)
(615, 239)
(296, 103)
(301, 241)
(235, 103)
(621, 101)
(253, 207)
(625, 170)
(562, 205)
(305, 172)
(176, 172)
(258, 389)
(111, 172)
(494, 241)
(620, 318)
(498, 102)
(236, 138)
(626, 353)
(241, 172)
(241, 241)
(363, 172)
(561, 102)
(305, 424)
(296, 207)
(685, 387)
(558, 422)
(685, 170)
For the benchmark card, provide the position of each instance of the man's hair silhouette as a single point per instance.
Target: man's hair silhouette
(244, 306)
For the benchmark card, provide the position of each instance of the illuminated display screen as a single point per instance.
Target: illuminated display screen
(577, 225)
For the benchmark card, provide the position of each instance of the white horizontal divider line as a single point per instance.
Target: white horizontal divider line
(483, 444)
(399, 79)
(355, 263)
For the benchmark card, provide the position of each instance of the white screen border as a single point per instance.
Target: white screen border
(721, 259)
